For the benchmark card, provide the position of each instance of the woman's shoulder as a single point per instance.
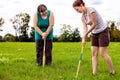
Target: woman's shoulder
(35, 14)
(49, 11)
(91, 9)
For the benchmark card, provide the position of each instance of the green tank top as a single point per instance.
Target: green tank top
(43, 25)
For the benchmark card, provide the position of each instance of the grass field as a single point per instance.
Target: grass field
(18, 62)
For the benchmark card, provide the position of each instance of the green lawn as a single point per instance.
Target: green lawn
(18, 62)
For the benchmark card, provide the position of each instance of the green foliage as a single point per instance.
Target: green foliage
(9, 38)
(23, 38)
(55, 38)
(32, 34)
(1, 22)
(18, 62)
(1, 39)
(76, 35)
(69, 35)
(20, 24)
(65, 33)
(114, 31)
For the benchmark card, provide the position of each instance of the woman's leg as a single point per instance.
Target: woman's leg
(39, 51)
(94, 59)
(48, 52)
(104, 53)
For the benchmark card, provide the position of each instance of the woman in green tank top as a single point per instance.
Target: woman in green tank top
(43, 23)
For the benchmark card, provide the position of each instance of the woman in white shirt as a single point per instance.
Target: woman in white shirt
(100, 34)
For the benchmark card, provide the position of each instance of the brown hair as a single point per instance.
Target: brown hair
(78, 3)
(41, 8)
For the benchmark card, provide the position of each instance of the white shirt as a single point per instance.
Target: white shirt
(100, 24)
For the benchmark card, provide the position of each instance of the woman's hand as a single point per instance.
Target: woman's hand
(44, 35)
(84, 40)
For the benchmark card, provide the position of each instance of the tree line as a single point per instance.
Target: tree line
(25, 33)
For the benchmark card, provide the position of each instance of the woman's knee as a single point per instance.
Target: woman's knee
(94, 51)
